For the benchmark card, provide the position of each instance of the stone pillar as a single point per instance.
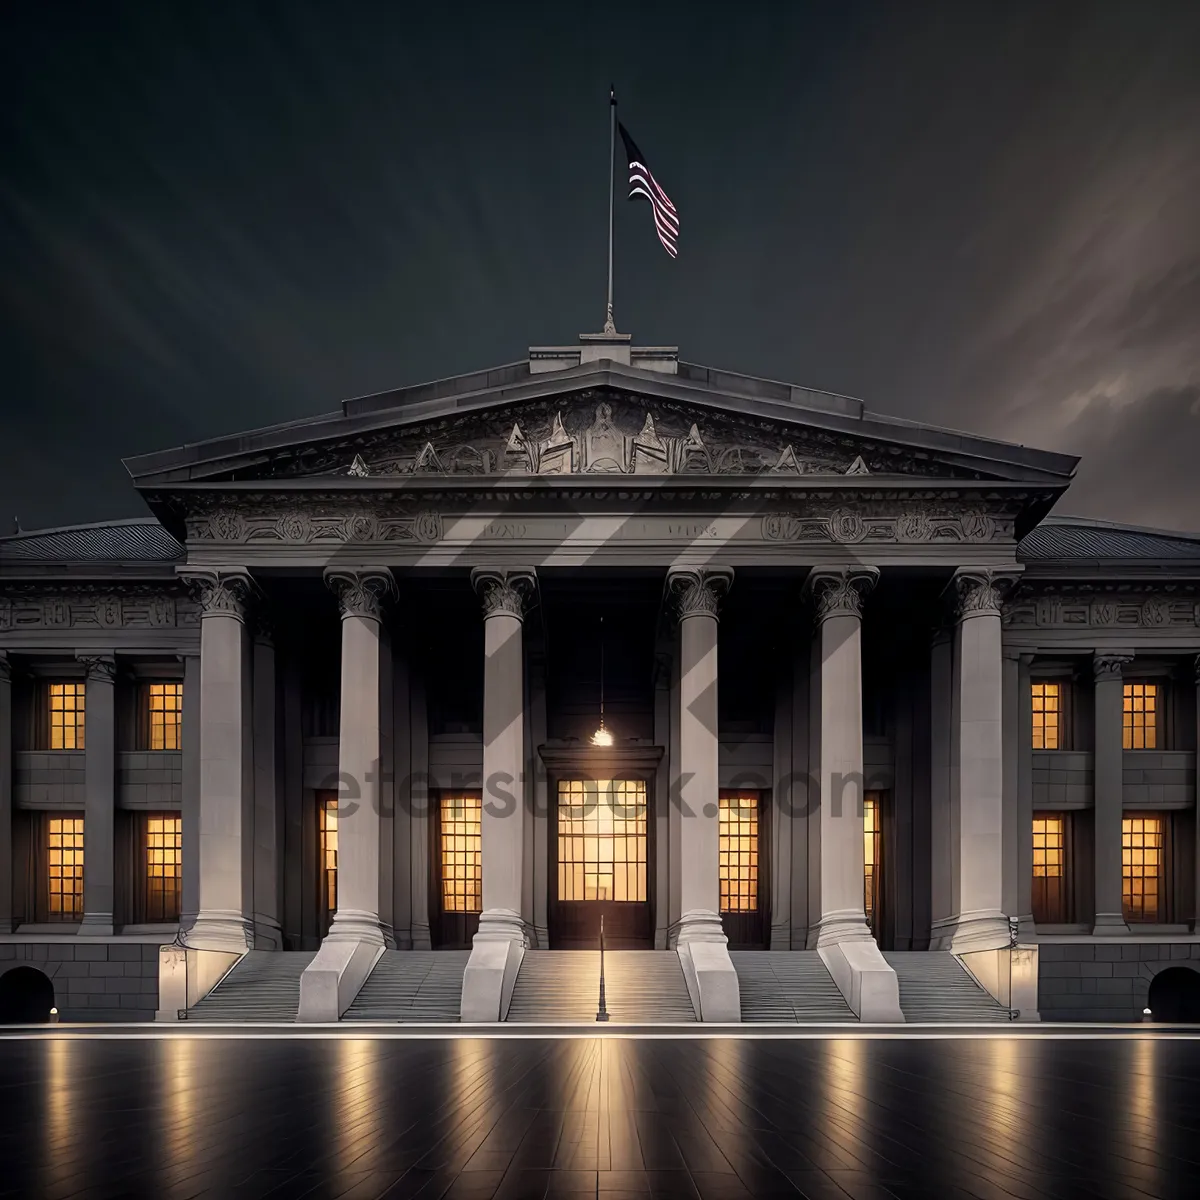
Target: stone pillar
(1011, 775)
(6, 785)
(226, 764)
(1024, 909)
(357, 938)
(1195, 811)
(500, 941)
(268, 847)
(1108, 757)
(189, 812)
(100, 800)
(699, 937)
(843, 938)
(979, 922)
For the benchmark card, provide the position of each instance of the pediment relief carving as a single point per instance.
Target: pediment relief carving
(604, 433)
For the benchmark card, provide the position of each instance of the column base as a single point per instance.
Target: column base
(865, 978)
(267, 934)
(970, 932)
(1109, 925)
(491, 972)
(354, 925)
(847, 925)
(217, 930)
(96, 925)
(708, 970)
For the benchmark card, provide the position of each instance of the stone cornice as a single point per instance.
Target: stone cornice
(1109, 667)
(224, 592)
(839, 591)
(698, 591)
(504, 593)
(100, 668)
(361, 591)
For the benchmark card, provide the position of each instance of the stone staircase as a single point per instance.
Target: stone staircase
(788, 985)
(563, 987)
(264, 985)
(935, 987)
(412, 986)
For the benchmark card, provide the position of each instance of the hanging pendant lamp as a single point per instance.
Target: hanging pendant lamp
(602, 737)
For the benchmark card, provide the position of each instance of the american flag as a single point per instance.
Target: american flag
(643, 183)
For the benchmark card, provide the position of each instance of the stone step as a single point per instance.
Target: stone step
(936, 987)
(563, 986)
(788, 985)
(412, 986)
(264, 985)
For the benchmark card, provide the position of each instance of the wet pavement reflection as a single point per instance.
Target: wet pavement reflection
(233, 1118)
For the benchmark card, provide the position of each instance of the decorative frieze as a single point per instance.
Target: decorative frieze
(83, 607)
(840, 592)
(362, 592)
(875, 522)
(284, 521)
(1116, 606)
(506, 593)
(698, 591)
(221, 592)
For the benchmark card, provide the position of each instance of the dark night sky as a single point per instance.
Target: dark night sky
(218, 216)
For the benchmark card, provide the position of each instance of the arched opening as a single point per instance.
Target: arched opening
(1175, 996)
(26, 997)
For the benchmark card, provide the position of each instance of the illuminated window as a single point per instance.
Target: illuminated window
(1047, 712)
(328, 810)
(1141, 716)
(1049, 870)
(164, 867)
(65, 868)
(66, 716)
(871, 846)
(602, 840)
(1142, 862)
(738, 849)
(461, 826)
(165, 710)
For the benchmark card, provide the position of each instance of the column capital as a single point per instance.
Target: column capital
(698, 591)
(221, 591)
(1195, 669)
(100, 668)
(1108, 667)
(361, 591)
(977, 592)
(5, 667)
(840, 591)
(264, 625)
(506, 593)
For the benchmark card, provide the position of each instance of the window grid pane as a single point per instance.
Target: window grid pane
(166, 716)
(461, 825)
(737, 841)
(602, 835)
(328, 851)
(1141, 867)
(1047, 710)
(164, 868)
(1140, 723)
(1049, 869)
(871, 840)
(66, 716)
(65, 868)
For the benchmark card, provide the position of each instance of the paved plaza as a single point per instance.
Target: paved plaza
(870, 1118)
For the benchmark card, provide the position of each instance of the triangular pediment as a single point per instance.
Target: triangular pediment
(602, 420)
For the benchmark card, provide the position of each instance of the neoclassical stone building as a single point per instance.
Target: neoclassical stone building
(379, 714)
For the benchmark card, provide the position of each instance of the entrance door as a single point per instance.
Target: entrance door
(742, 868)
(601, 849)
(874, 893)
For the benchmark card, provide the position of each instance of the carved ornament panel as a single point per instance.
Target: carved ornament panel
(1105, 607)
(109, 607)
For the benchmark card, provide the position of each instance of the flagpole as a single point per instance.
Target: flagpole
(609, 327)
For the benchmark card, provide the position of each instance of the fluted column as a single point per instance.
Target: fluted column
(1108, 759)
(226, 764)
(99, 808)
(361, 595)
(697, 593)
(504, 596)
(977, 768)
(837, 746)
(6, 783)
